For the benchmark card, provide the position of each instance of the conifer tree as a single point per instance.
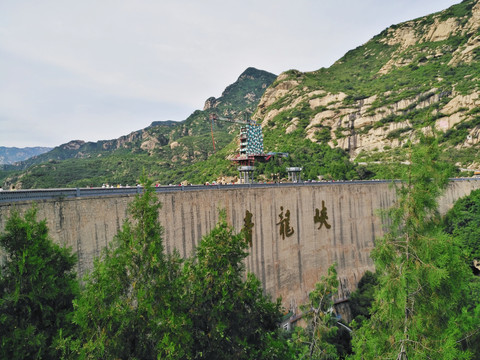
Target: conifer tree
(130, 306)
(361, 299)
(37, 287)
(463, 222)
(231, 316)
(423, 307)
(316, 338)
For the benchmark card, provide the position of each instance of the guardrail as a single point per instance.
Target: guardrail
(7, 196)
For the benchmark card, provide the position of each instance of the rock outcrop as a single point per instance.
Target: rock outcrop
(369, 116)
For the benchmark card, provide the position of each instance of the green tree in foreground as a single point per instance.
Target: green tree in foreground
(131, 305)
(423, 308)
(463, 222)
(231, 318)
(317, 338)
(37, 286)
(362, 298)
(140, 303)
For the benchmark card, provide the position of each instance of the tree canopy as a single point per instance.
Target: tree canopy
(229, 313)
(37, 286)
(140, 302)
(463, 222)
(423, 306)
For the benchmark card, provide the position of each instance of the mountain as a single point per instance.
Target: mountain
(10, 155)
(352, 120)
(164, 147)
(422, 75)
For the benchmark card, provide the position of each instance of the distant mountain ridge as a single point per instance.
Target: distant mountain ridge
(237, 99)
(11, 155)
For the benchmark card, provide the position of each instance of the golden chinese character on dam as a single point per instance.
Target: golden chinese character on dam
(321, 216)
(285, 229)
(248, 227)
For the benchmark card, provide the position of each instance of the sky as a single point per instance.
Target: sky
(99, 69)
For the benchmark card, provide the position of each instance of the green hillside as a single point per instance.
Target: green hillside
(163, 150)
(353, 120)
(421, 76)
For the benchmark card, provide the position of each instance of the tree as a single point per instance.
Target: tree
(463, 222)
(316, 340)
(423, 307)
(231, 318)
(131, 305)
(142, 303)
(37, 287)
(362, 298)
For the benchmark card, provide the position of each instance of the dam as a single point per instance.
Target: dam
(295, 231)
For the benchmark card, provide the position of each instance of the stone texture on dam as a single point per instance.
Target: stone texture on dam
(297, 231)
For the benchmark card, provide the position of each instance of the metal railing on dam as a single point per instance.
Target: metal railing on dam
(8, 196)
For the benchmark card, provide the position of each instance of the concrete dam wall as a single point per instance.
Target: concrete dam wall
(297, 232)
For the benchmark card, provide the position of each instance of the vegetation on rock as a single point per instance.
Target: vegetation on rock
(413, 75)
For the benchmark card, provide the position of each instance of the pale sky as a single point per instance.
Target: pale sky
(99, 69)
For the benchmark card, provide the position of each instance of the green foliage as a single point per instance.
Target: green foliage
(463, 222)
(37, 287)
(5, 174)
(461, 10)
(131, 304)
(315, 159)
(458, 134)
(141, 303)
(395, 134)
(323, 135)
(229, 314)
(392, 163)
(354, 73)
(361, 299)
(216, 166)
(251, 82)
(424, 305)
(316, 340)
(126, 169)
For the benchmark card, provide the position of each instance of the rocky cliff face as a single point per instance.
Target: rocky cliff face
(413, 77)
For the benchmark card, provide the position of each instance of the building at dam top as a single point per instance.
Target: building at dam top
(295, 232)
